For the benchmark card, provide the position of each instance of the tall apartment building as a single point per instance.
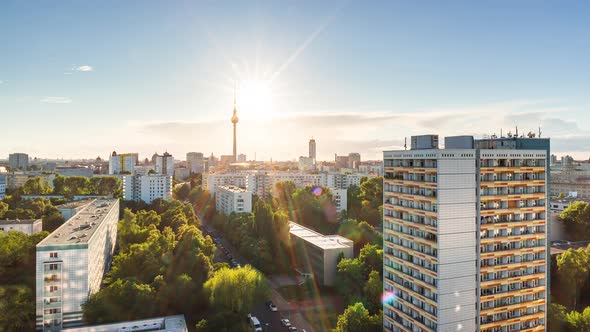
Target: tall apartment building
(18, 161)
(312, 149)
(146, 187)
(465, 235)
(71, 263)
(2, 187)
(122, 163)
(164, 164)
(230, 199)
(195, 161)
(354, 160)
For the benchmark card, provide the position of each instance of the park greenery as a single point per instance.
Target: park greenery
(17, 280)
(165, 266)
(356, 318)
(70, 186)
(570, 307)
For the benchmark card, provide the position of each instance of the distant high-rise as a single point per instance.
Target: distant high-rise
(122, 163)
(234, 120)
(194, 162)
(354, 160)
(18, 160)
(465, 235)
(312, 149)
(165, 164)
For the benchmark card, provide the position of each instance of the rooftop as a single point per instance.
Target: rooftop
(232, 189)
(74, 204)
(19, 222)
(164, 324)
(319, 240)
(81, 227)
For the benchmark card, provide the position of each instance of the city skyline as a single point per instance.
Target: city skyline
(148, 77)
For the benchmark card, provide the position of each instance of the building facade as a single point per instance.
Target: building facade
(229, 199)
(160, 324)
(18, 161)
(312, 149)
(2, 187)
(71, 263)
(122, 163)
(465, 236)
(24, 226)
(164, 164)
(146, 187)
(195, 162)
(322, 252)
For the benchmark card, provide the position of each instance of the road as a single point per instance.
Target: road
(271, 321)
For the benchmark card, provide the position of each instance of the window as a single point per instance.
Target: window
(53, 255)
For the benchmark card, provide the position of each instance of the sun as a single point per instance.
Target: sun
(255, 98)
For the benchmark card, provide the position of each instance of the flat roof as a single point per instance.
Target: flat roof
(232, 189)
(19, 222)
(319, 240)
(75, 204)
(168, 324)
(81, 227)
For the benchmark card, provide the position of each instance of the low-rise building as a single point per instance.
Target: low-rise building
(321, 251)
(71, 263)
(230, 199)
(181, 173)
(74, 171)
(160, 324)
(29, 226)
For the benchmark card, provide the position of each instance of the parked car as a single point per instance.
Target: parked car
(292, 328)
(286, 322)
(272, 306)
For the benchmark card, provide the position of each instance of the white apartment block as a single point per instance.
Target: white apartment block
(122, 163)
(230, 199)
(28, 227)
(71, 264)
(213, 180)
(465, 236)
(146, 187)
(160, 324)
(340, 198)
(164, 164)
(322, 251)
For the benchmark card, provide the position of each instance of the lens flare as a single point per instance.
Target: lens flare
(317, 191)
(388, 297)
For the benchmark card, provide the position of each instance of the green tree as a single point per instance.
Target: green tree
(373, 289)
(36, 186)
(579, 321)
(3, 209)
(123, 300)
(556, 318)
(356, 318)
(236, 290)
(350, 279)
(576, 218)
(182, 193)
(573, 270)
(561, 196)
(17, 308)
(106, 185)
(52, 221)
(371, 258)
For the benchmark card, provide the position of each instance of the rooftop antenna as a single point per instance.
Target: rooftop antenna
(405, 143)
(501, 135)
(539, 131)
(516, 134)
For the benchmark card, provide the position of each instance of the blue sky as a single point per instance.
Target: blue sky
(83, 78)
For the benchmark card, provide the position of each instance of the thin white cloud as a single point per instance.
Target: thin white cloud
(56, 100)
(84, 68)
